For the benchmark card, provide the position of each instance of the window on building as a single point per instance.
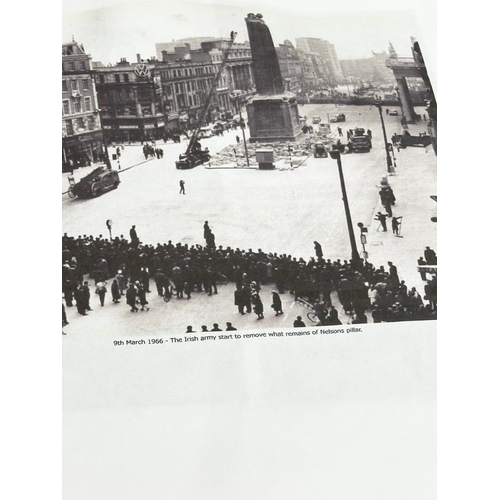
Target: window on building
(82, 65)
(78, 106)
(64, 86)
(69, 127)
(117, 78)
(74, 85)
(71, 66)
(79, 123)
(91, 122)
(87, 104)
(85, 84)
(101, 78)
(125, 77)
(65, 107)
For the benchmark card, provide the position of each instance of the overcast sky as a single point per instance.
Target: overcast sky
(111, 29)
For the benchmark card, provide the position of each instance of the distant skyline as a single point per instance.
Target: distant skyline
(110, 33)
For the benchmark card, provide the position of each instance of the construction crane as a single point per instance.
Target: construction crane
(194, 155)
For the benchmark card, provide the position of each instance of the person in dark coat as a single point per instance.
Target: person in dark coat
(393, 273)
(131, 296)
(395, 225)
(277, 305)
(239, 300)
(182, 190)
(423, 274)
(382, 218)
(298, 322)
(430, 256)
(230, 327)
(160, 281)
(133, 237)
(206, 231)
(318, 250)
(258, 307)
(115, 291)
(68, 293)
(86, 295)
(80, 301)
(141, 293)
(216, 328)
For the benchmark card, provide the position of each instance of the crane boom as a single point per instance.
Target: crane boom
(201, 119)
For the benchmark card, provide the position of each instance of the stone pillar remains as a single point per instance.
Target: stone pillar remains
(273, 113)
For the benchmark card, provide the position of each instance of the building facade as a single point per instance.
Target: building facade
(82, 137)
(187, 76)
(131, 101)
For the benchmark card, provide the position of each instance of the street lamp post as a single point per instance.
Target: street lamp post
(106, 155)
(387, 154)
(362, 237)
(335, 155)
(242, 129)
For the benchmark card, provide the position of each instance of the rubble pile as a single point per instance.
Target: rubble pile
(234, 154)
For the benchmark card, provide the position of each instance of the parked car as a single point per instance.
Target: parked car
(316, 119)
(99, 181)
(393, 112)
(320, 150)
(205, 132)
(337, 118)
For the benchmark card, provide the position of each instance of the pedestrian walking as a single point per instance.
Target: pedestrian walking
(101, 291)
(86, 295)
(131, 297)
(277, 305)
(258, 307)
(182, 190)
(141, 294)
(122, 281)
(115, 291)
(238, 139)
(339, 130)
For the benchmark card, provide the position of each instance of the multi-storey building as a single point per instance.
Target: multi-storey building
(188, 74)
(131, 100)
(82, 139)
(330, 69)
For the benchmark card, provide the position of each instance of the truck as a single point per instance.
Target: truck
(359, 141)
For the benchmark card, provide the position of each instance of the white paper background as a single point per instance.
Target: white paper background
(468, 367)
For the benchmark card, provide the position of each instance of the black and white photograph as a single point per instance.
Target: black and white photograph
(247, 175)
(249, 250)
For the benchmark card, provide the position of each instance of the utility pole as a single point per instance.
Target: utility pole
(356, 260)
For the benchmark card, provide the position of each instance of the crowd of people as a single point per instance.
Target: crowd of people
(182, 269)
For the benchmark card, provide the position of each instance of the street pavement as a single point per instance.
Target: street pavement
(280, 211)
